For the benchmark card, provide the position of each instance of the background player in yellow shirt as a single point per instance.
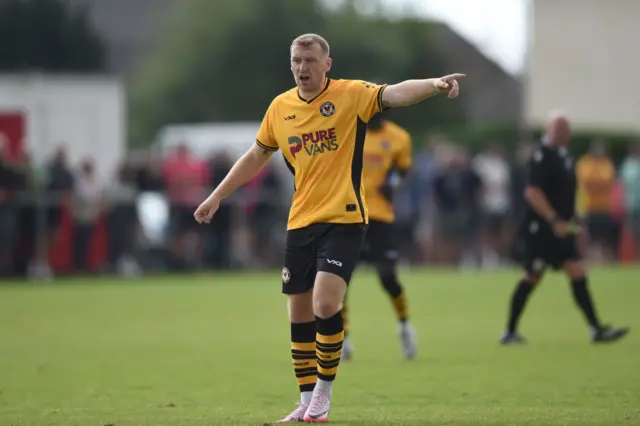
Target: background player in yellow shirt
(320, 126)
(387, 157)
(596, 176)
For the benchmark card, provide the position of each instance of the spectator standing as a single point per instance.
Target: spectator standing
(457, 190)
(123, 222)
(59, 183)
(149, 178)
(219, 231)
(8, 218)
(87, 206)
(493, 169)
(186, 179)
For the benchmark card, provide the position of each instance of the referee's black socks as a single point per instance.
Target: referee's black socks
(518, 301)
(583, 300)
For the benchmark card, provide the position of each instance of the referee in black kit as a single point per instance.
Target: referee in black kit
(549, 231)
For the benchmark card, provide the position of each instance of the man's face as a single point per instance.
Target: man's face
(309, 65)
(559, 132)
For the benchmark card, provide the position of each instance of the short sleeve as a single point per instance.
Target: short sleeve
(266, 138)
(404, 157)
(369, 98)
(537, 168)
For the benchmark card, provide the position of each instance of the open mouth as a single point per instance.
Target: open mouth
(304, 78)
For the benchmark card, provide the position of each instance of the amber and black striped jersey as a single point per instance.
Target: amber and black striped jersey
(322, 140)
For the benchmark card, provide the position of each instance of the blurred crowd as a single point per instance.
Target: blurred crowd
(60, 218)
(471, 206)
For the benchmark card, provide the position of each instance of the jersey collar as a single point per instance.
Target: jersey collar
(326, 86)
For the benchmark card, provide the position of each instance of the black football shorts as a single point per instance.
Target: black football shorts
(379, 244)
(328, 247)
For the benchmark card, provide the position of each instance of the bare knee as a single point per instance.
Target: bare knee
(328, 294)
(575, 269)
(325, 308)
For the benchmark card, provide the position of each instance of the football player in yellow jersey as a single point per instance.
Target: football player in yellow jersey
(387, 158)
(319, 126)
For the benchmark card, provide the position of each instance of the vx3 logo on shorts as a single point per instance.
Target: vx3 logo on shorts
(335, 262)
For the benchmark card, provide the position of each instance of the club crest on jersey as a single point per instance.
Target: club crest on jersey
(327, 109)
(386, 145)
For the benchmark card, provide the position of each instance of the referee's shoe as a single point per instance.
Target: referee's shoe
(608, 334)
(604, 334)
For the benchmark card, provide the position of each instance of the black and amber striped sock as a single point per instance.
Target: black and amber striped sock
(345, 316)
(303, 352)
(401, 306)
(396, 294)
(329, 346)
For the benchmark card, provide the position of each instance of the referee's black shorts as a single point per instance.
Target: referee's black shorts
(542, 251)
(328, 247)
(379, 245)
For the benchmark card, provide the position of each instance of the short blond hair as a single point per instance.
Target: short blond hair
(308, 40)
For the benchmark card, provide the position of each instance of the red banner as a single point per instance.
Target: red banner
(12, 131)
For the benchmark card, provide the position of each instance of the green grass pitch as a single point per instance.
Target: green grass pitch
(214, 350)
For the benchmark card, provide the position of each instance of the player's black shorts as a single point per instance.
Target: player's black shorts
(602, 229)
(379, 244)
(542, 251)
(328, 247)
